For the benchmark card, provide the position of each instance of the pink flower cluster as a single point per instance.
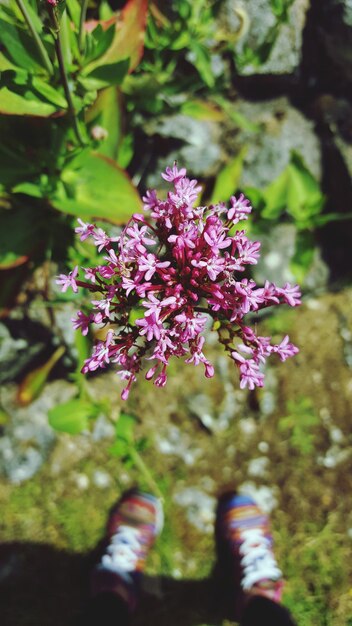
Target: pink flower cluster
(177, 265)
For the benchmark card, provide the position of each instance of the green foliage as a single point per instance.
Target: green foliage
(54, 77)
(295, 192)
(73, 416)
(124, 435)
(300, 425)
(228, 179)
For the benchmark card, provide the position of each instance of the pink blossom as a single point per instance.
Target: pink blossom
(68, 281)
(285, 349)
(149, 264)
(240, 209)
(84, 230)
(290, 294)
(174, 175)
(150, 325)
(195, 269)
(150, 200)
(82, 321)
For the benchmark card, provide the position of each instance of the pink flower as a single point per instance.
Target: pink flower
(149, 264)
(195, 269)
(285, 349)
(174, 175)
(290, 294)
(150, 325)
(84, 230)
(240, 209)
(82, 321)
(68, 280)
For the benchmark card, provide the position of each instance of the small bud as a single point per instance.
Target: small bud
(97, 132)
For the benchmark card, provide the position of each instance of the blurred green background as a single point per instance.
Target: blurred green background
(96, 99)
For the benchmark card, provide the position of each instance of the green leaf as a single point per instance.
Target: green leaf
(106, 112)
(83, 347)
(74, 11)
(125, 427)
(295, 191)
(19, 46)
(202, 110)
(34, 382)
(303, 256)
(105, 11)
(128, 41)
(227, 181)
(125, 152)
(98, 42)
(304, 197)
(50, 94)
(19, 232)
(106, 75)
(124, 431)
(13, 104)
(275, 196)
(98, 188)
(202, 63)
(14, 166)
(30, 189)
(73, 416)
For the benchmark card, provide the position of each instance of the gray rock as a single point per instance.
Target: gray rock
(258, 467)
(200, 508)
(278, 249)
(15, 354)
(101, 479)
(265, 497)
(28, 439)
(274, 42)
(175, 442)
(201, 152)
(103, 429)
(19, 465)
(281, 130)
(335, 31)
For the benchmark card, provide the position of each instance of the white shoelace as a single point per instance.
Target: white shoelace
(124, 550)
(257, 560)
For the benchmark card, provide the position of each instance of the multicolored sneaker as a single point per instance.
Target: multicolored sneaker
(132, 529)
(245, 550)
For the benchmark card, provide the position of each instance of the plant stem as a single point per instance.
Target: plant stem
(81, 33)
(41, 48)
(63, 74)
(137, 459)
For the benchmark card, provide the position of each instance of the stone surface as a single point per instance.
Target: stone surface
(275, 43)
(281, 130)
(335, 31)
(200, 151)
(200, 508)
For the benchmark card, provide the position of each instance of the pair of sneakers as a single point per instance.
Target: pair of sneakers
(244, 543)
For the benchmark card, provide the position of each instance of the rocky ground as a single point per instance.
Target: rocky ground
(288, 444)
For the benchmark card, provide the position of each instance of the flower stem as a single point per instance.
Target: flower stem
(40, 46)
(63, 73)
(137, 459)
(81, 33)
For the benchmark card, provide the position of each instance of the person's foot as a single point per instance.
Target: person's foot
(245, 548)
(131, 531)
